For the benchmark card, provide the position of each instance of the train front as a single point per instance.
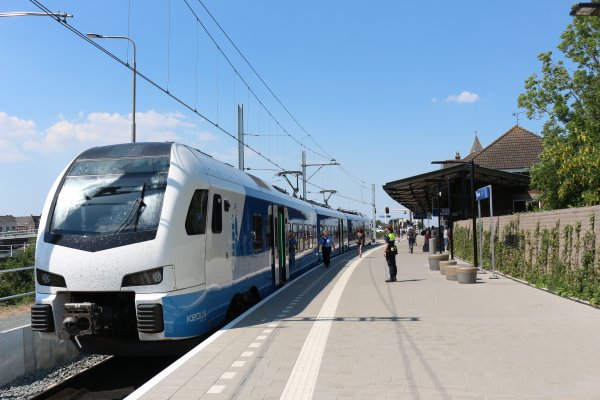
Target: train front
(103, 267)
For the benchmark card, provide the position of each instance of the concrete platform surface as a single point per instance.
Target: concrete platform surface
(344, 333)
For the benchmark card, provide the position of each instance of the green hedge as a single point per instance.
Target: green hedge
(536, 257)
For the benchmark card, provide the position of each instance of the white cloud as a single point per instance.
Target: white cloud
(464, 97)
(22, 139)
(14, 130)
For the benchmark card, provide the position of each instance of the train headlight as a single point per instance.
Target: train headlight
(46, 278)
(150, 277)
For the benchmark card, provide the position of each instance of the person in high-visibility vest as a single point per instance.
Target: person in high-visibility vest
(390, 253)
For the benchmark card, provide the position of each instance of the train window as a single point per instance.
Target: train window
(269, 227)
(292, 228)
(257, 232)
(300, 238)
(305, 244)
(217, 214)
(195, 222)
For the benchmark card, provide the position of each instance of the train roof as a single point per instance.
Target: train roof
(218, 169)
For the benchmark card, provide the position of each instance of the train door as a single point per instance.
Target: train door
(278, 219)
(219, 252)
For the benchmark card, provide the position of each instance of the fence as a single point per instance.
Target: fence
(9, 250)
(19, 234)
(7, 271)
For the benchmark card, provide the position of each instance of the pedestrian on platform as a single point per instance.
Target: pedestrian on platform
(390, 253)
(327, 245)
(446, 238)
(412, 237)
(360, 241)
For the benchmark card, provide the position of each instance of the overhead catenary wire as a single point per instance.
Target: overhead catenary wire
(150, 81)
(262, 80)
(348, 173)
(193, 109)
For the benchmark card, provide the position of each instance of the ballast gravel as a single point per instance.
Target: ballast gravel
(33, 383)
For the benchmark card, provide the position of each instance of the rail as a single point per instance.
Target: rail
(14, 296)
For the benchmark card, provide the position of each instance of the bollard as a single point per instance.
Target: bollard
(444, 264)
(434, 261)
(466, 274)
(451, 272)
(432, 249)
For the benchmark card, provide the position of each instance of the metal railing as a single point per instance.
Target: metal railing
(9, 250)
(14, 296)
(17, 234)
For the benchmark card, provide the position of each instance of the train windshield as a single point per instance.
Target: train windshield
(111, 196)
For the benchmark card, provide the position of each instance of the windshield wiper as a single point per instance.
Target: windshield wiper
(135, 212)
(140, 207)
(107, 191)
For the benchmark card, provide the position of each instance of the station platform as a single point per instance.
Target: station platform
(344, 333)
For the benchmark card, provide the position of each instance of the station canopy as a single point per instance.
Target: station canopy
(422, 193)
(504, 164)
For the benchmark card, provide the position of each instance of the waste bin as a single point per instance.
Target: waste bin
(432, 249)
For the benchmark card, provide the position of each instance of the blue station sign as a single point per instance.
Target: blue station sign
(482, 193)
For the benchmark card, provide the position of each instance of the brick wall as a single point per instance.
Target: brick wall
(547, 220)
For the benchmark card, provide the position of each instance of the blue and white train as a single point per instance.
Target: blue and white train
(145, 247)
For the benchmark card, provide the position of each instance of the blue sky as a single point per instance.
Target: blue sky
(383, 87)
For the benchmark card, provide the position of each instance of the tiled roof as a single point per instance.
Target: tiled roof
(516, 149)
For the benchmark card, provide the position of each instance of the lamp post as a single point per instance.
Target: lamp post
(450, 222)
(97, 36)
(59, 16)
(586, 9)
(438, 194)
(474, 218)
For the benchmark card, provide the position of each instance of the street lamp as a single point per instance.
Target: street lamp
(586, 9)
(97, 36)
(472, 163)
(59, 16)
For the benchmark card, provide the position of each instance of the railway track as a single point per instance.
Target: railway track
(114, 378)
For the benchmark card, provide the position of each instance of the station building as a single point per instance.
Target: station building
(446, 190)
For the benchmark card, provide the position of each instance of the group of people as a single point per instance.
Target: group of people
(325, 241)
(327, 246)
(391, 251)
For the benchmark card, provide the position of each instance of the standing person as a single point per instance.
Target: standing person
(327, 245)
(360, 241)
(411, 238)
(446, 238)
(390, 253)
(292, 248)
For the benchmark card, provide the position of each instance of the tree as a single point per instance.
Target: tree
(568, 94)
